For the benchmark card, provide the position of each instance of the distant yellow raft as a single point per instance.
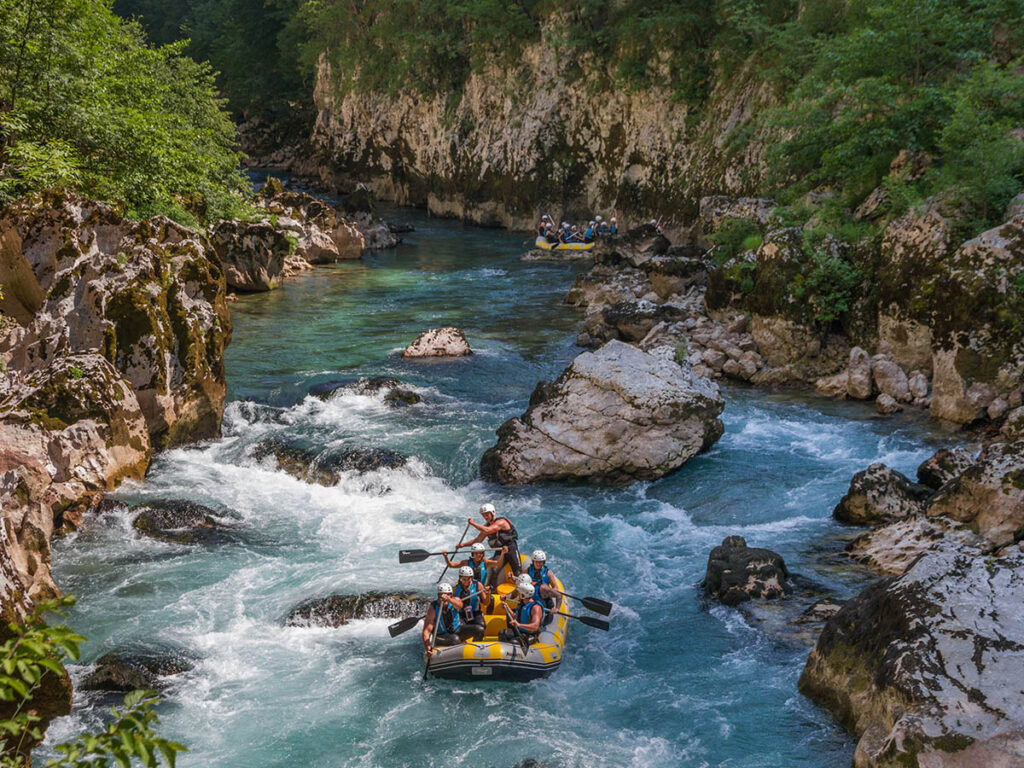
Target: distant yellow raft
(491, 659)
(544, 245)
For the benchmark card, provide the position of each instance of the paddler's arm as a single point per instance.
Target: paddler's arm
(497, 561)
(455, 601)
(428, 628)
(536, 616)
(450, 563)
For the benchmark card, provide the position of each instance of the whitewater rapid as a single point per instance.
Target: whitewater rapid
(674, 682)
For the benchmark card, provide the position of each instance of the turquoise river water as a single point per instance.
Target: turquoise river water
(674, 683)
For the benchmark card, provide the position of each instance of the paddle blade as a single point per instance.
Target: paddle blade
(404, 625)
(590, 621)
(412, 555)
(597, 605)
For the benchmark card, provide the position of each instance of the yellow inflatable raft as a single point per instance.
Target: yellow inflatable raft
(544, 245)
(492, 659)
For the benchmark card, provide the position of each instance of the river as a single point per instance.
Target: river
(673, 683)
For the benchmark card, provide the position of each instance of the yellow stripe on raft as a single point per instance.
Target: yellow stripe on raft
(544, 245)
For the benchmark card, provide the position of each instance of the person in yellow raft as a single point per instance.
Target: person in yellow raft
(500, 534)
(526, 617)
(477, 561)
(445, 613)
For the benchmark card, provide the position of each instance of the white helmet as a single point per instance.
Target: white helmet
(598, 218)
(444, 588)
(524, 578)
(478, 547)
(465, 571)
(538, 554)
(613, 218)
(593, 223)
(487, 508)
(524, 589)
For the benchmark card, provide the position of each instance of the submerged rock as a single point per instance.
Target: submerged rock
(393, 392)
(326, 468)
(180, 522)
(439, 342)
(925, 668)
(615, 414)
(737, 573)
(337, 610)
(880, 495)
(125, 671)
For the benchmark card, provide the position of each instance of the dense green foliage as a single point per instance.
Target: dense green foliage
(86, 102)
(33, 652)
(432, 45)
(935, 76)
(252, 44)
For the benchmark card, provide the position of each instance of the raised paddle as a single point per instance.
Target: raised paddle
(593, 603)
(461, 538)
(590, 621)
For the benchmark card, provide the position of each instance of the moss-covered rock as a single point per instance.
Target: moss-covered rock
(923, 668)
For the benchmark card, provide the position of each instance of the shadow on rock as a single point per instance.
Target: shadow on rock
(184, 522)
(325, 468)
(134, 669)
(338, 610)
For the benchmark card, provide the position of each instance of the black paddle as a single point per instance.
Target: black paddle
(593, 603)
(415, 555)
(590, 621)
(430, 653)
(519, 632)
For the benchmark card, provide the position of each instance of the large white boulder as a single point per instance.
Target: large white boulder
(616, 414)
(439, 342)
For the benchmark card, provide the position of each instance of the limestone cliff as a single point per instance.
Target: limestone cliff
(550, 133)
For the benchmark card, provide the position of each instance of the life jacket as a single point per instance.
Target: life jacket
(472, 608)
(614, 228)
(540, 577)
(504, 537)
(479, 569)
(589, 234)
(526, 608)
(446, 620)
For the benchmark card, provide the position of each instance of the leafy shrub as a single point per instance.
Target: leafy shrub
(832, 285)
(732, 238)
(33, 652)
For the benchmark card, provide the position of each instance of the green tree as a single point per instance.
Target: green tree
(34, 651)
(85, 102)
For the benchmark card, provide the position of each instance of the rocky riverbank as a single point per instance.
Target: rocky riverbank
(941, 339)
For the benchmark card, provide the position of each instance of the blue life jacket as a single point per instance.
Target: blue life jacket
(447, 620)
(479, 569)
(614, 229)
(539, 577)
(589, 234)
(525, 609)
(470, 609)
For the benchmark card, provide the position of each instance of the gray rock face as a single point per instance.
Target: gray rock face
(67, 431)
(926, 668)
(988, 496)
(147, 295)
(890, 379)
(123, 671)
(439, 342)
(887, 405)
(252, 254)
(736, 573)
(946, 464)
(859, 380)
(614, 414)
(880, 495)
(338, 610)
